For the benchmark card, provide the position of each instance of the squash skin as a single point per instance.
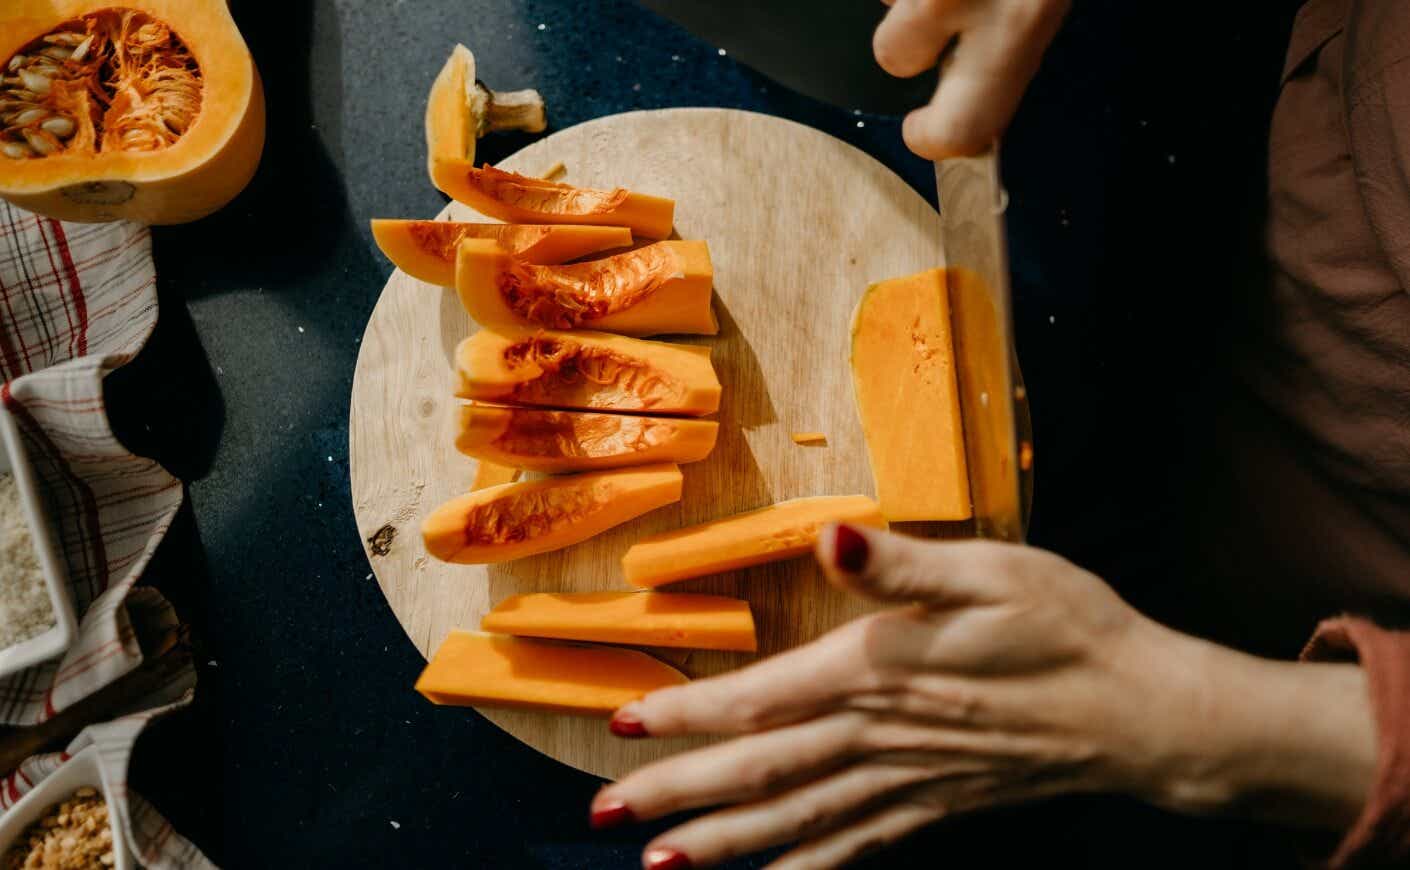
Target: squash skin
(657, 377)
(211, 163)
(425, 250)
(555, 441)
(632, 618)
(663, 288)
(785, 530)
(515, 517)
(488, 191)
(485, 670)
(907, 394)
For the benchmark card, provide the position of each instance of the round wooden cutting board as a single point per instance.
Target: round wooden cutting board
(798, 224)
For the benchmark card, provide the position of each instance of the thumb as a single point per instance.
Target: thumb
(895, 568)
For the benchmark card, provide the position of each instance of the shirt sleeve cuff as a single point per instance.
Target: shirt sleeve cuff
(1381, 836)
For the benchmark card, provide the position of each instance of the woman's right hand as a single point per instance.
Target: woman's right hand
(1000, 44)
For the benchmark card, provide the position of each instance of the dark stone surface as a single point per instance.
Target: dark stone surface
(1131, 167)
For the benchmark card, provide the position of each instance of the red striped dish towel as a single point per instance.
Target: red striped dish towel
(76, 302)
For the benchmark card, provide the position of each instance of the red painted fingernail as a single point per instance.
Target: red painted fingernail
(850, 550)
(627, 725)
(611, 815)
(664, 859)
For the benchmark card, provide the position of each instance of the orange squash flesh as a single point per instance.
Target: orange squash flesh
(523, 519)
(521, 199)
(780, 531)
(903, 370)
(425, 250)
(635, 618)
(558, 441)
(586, 370)
(661, 288)
(485, 670)
(488, 474)
(144, 110)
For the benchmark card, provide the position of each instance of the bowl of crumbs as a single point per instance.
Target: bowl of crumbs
(66, 821)
(36, 615)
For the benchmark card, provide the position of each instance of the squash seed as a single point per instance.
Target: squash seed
(59, 126)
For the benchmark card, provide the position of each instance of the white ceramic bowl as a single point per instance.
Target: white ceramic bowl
(83, 769)
(54, 641)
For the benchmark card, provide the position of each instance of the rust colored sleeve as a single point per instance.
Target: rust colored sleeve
(1381, 836)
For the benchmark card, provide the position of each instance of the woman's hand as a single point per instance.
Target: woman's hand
(1000, 44)
(1009, 675)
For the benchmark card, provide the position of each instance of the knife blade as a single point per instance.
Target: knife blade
(993, 402)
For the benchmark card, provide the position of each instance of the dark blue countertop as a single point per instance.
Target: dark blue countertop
(1131, 168)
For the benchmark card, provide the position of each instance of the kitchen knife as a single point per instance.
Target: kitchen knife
(993, 402)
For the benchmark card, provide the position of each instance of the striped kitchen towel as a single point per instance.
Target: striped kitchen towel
(76, 302)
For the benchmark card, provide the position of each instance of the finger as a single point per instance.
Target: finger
(806, 811)
(981, 87)
(911, 36)
(868, 835)
(891, 567)
(789, 687)
(745, 769)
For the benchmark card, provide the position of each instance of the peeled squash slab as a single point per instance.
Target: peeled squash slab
(557, 441)
(145, 110)
(654, 290)
(460, 109)
(486, 670)
(521, 199)
(586, 370)
(903, 371)
(636, 618)
(523, 519)
(780, 531)
(425, 250)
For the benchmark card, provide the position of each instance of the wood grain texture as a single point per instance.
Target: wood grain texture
(798, 224)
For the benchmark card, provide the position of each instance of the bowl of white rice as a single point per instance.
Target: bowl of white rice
(36, 615)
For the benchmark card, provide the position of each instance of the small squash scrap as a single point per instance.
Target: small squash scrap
(903, 370)
(425, 250)
(523, 519)
(144, 110)
(485, 670)
(557, 441)
(586, 370)
(780, 531)
(635, 618)
(522, 199)
(661, 288)
(488, 474)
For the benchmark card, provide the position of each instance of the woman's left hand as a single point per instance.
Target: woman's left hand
(1009, 675)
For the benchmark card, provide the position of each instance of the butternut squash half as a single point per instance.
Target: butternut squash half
(556, 441)
(659, 289)
(485, 670)
(780, 531)
(425, 250)
(515, 520)
(903, 371)
(521, 199)
(586, 370)
(142, 110)
(635, 618)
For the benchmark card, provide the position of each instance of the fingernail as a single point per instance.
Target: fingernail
(664, 859)
(849, 550)
(610, 815)
(625, 724)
